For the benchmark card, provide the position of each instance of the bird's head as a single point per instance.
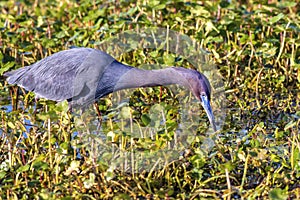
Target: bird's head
(200, 87)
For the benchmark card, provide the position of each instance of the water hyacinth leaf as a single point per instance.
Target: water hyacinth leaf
(24, 168)
(74, 167)
(40, 21)
(2, 174)
(153, 3)
(200, 11)
(89, 182)
(290, 125)
(278, 194)
(159, 7)
(209, 26)
(287, 4)
(6, 67)
(125, 113)
(67, 198)
(198, 161)
(123, 196)
(242, 39)
(48, 43)
(21, 126)
(224, 3)
(40, 165)
(131, 11)
(146, 119)
(153, 54)
(62, 107)
(43, 116)
(113, 137)
(11, 125)
(296, 158)
(169, 59)
(276, 18)
(60, 34)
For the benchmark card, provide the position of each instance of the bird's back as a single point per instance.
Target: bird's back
(63, 75)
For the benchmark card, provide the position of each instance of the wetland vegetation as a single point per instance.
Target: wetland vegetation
(253, 45)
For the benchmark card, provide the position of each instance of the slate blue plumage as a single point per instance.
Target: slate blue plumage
(82, 75)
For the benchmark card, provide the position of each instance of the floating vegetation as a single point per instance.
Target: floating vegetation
(46, 152)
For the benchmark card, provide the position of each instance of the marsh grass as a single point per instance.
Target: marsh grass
(256, 153)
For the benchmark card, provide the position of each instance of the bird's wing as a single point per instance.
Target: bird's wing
(62, 75)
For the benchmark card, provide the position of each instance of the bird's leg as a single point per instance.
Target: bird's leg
(14, 101)
(11, 97)
(70, 106)
(36, 100)
(160, 94)
(98, 112)
(17, 97)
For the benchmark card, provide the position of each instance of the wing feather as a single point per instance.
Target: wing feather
(53, 77)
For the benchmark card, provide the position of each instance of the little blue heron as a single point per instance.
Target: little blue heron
(82, 75)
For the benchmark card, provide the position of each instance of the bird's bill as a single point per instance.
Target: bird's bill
(206, 105)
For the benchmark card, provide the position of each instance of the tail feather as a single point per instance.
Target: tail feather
(13, 77)
(8, 74)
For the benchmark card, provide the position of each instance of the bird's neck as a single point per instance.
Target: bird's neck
(135, 78)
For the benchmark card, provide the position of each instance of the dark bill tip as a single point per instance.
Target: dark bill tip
(206, 105)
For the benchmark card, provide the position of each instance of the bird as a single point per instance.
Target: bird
(82, 75)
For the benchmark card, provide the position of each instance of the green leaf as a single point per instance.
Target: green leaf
(276, 18)
(200, 11)
(169, 59)
(209, 26)
(160, 7)
(2, 174)
(125, 113)
(89, 182)
(40, 165)
(287, 4)
(61, 34)
(40, 21)
(24, 168)
(278, 194)
(146, 119)
(11, 125)
(122, 196)
(291, 124)
(43, 116)
(74, 167)
(6, 67)
(153, 3)
(153, 54)
(1, 56)
(67, 198)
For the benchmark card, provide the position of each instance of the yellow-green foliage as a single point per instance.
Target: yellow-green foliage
(255, 46)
